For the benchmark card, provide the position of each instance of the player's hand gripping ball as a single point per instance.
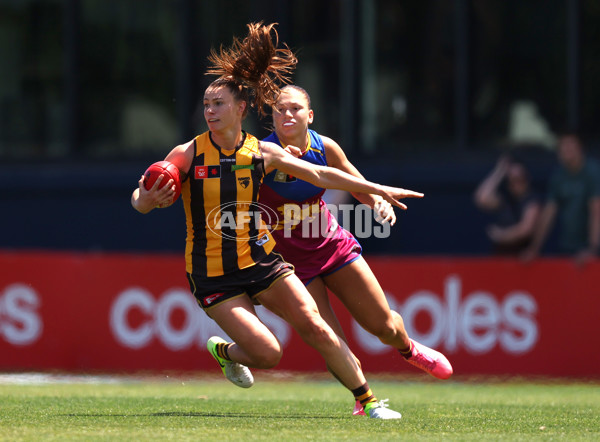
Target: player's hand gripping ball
(169, 172)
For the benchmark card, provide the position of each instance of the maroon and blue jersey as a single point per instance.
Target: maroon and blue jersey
(306, 234)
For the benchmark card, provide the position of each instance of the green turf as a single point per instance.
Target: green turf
(298, 410)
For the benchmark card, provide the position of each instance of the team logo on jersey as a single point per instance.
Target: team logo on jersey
(282, 177)
(202, 172)
(244, 181)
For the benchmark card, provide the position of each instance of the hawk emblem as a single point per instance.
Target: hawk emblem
(244, 181)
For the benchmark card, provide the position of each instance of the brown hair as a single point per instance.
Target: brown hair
(253, 67)
(299, 89)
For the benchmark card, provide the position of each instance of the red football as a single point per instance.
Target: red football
(170, 172)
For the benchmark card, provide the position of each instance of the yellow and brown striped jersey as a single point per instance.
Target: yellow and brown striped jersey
(224, 228)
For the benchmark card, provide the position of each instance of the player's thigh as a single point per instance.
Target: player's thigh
(237, 317)
(358, 289)
(318, 291)
(289, 299)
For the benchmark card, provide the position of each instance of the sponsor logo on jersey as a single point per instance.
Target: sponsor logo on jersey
(202, 172)
(235, 167)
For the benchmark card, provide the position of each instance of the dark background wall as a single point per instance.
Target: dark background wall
(86, 207)
(424, 95)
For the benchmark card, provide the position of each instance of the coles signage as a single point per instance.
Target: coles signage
(76, 311)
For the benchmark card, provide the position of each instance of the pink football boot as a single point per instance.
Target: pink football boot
(431, 361)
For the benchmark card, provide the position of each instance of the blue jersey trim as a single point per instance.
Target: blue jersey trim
(290, 187)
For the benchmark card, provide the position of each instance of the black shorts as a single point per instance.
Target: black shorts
(251, 281)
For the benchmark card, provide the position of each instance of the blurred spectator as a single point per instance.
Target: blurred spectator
(507, 193)
(573, 195)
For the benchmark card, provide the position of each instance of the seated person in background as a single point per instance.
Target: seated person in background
(507, 193)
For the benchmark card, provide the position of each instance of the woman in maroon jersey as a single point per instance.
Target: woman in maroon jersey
(327, 256)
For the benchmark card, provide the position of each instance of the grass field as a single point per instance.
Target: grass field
(294, 408)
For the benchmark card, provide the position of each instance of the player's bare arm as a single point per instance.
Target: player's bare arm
(329, 177)
(145, 200)
(182, 156)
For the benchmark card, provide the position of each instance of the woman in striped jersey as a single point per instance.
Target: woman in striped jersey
(230, 261)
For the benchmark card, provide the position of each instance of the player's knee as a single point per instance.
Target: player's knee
(385, 331)
(316, 333)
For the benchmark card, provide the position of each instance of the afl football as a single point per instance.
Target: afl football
(169, 172)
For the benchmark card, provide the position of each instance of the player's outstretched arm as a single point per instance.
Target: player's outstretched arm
(329, 177)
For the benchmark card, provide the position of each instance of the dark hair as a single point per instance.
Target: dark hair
(253, 68)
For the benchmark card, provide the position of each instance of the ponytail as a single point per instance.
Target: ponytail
(254, 67)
